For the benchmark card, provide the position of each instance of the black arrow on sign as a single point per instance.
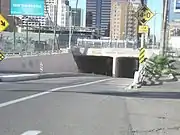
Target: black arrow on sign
(143, 20)
(144, 9)
(3, 23)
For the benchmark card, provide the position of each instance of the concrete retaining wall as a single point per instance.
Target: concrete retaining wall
(51, 64)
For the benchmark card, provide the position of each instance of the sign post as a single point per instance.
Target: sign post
(144, 14)
(3, 25)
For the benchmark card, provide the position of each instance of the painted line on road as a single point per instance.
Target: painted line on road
(49, 91)
(31, 132)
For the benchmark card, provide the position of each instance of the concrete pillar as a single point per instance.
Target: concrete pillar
(114, 68)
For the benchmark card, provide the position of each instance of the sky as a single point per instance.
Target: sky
(155, 22)
(154, 5)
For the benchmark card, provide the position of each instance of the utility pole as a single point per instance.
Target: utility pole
(55, 24)
(164, 24)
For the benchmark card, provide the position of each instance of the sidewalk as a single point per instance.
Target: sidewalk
(165, 87)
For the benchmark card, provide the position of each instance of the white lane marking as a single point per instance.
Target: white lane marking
(49, 91)
(31, 132)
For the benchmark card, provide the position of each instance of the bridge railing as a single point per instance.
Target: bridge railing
(98, 43)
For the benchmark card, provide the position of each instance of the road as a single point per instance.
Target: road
(91, 105)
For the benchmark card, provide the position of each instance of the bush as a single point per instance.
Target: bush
(159, 65)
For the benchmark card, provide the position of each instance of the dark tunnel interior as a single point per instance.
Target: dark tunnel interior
(94, 64)
(103, 65)
(126, 67)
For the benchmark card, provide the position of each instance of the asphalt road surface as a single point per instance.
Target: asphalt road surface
(89, 105)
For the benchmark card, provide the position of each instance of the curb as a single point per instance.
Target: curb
(18, 78)
(41, 76)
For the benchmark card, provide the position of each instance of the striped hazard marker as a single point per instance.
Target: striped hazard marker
(142, 55)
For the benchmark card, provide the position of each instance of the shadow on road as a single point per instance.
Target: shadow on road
(164, 95)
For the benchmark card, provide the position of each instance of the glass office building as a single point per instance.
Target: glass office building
(98, 15)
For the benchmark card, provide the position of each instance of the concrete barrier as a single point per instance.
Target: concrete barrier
(120, 52)
(51, 64)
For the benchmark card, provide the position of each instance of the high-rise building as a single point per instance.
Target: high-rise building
(55, 10)
(123, 21)
(174, 18)
(118, 19)
(98, 14)
(174, 11)
(132, 22)
(77, 17)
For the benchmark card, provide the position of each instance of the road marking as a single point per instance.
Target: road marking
(49, 91)
(31, 132)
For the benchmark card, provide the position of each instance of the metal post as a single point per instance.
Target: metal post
(55, 25)
(154, 29)
(26, 36)
(14, 34)
(70, 25)
(39, 33)
(142, 40)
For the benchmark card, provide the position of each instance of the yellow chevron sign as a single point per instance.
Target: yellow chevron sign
(1, 55)
(142, 55)
(3, 23)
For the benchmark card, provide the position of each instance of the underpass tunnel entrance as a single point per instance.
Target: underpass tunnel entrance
(94, 64)
(126, 66)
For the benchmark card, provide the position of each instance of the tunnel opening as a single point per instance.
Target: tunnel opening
(126, 66)
(101, 65)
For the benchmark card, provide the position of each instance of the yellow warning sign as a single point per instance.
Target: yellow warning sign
(3, 23)
(144, 14)
(1, 55)
(142, 55)
(143, 29)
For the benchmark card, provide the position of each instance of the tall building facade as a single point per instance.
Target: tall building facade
(55, 10)
(118, 19)
(132, 22)
(174, 17)
(98, 14)
(124, 24)
(77, 17)
(174, 10)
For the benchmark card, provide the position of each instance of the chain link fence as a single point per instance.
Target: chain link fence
(21, 42)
